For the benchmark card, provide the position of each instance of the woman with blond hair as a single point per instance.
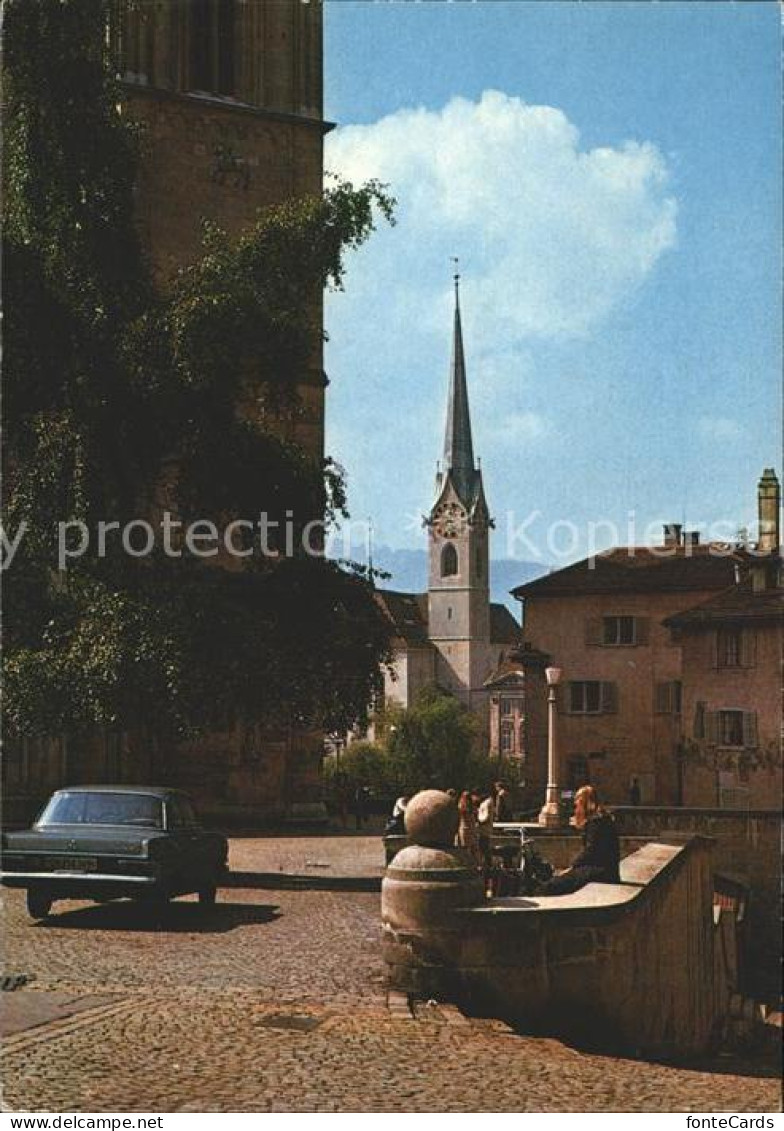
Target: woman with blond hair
(600, 857)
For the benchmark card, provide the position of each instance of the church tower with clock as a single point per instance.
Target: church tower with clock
(452, 636)
(459, 526)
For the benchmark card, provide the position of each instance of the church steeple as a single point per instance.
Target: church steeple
(458, 444)
(458, 598)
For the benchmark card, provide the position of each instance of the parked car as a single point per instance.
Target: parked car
(114, 841)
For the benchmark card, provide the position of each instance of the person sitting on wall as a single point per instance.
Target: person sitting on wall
(601, 854)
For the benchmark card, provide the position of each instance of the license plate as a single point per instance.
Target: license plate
(72, 864)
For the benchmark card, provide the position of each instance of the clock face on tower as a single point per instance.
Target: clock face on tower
(449, 520)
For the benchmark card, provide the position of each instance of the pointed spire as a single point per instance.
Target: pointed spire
(458, 445)
(370, 567)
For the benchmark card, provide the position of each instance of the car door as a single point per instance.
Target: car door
(192, 845)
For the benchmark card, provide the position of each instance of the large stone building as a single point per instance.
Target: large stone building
(227, 97)
(671, 660)
(452, 635)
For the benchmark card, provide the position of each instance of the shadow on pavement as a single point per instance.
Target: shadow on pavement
(176, 917)
(761, 1062)
(289, 881)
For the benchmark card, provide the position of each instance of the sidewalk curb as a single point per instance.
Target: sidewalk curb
(292, 881)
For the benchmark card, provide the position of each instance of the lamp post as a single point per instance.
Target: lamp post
(550, 815)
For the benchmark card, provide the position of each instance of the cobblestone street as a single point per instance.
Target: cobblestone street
(274, 1000)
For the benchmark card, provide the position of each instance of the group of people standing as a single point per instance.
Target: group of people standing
(479, 810)
(598, 861)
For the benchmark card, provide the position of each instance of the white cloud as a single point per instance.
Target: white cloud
(719, 428)
(552, 237)
(517, 427)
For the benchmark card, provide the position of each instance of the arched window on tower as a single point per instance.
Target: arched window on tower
(212, 46)
(448, 560)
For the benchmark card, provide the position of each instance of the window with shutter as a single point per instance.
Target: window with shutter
(699, 720)
(748, 648)
(662, 704)
(585, 697)
(593, 630)
(731, 726)
(729, 647)
(712, 727)
(667, 698)
(609, 702)
(619, 632)
(750, 740)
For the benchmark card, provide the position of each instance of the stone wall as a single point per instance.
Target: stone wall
(629, 966)
(243, 777)
(747, 849)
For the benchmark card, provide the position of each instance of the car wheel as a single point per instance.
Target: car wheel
(207, 896)
(38, 905)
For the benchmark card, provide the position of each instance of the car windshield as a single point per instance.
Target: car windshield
(104, 809)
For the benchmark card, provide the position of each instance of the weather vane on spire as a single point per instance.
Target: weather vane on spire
(456, 262)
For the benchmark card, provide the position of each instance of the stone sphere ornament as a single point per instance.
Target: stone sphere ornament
(432, 819)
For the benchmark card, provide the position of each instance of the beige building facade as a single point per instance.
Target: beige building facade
(733, 656)
(638, 633)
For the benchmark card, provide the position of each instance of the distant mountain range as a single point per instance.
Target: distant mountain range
(409, 573)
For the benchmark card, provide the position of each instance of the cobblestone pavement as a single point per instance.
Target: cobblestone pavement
(274, 1001)
(310, 855)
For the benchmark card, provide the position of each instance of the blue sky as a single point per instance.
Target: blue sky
(609, 174)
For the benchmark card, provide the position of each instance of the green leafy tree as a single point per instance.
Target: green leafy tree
(122, 399)
(364, 763)
(433, 744)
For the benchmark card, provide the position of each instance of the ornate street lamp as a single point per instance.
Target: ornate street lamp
(550, 815)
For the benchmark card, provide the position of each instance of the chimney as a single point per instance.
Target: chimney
(691, 537)
(769, 505)
(672, 533)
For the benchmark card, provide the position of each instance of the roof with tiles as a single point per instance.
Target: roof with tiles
(409, 615)
(738, 603)
(639, 569)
